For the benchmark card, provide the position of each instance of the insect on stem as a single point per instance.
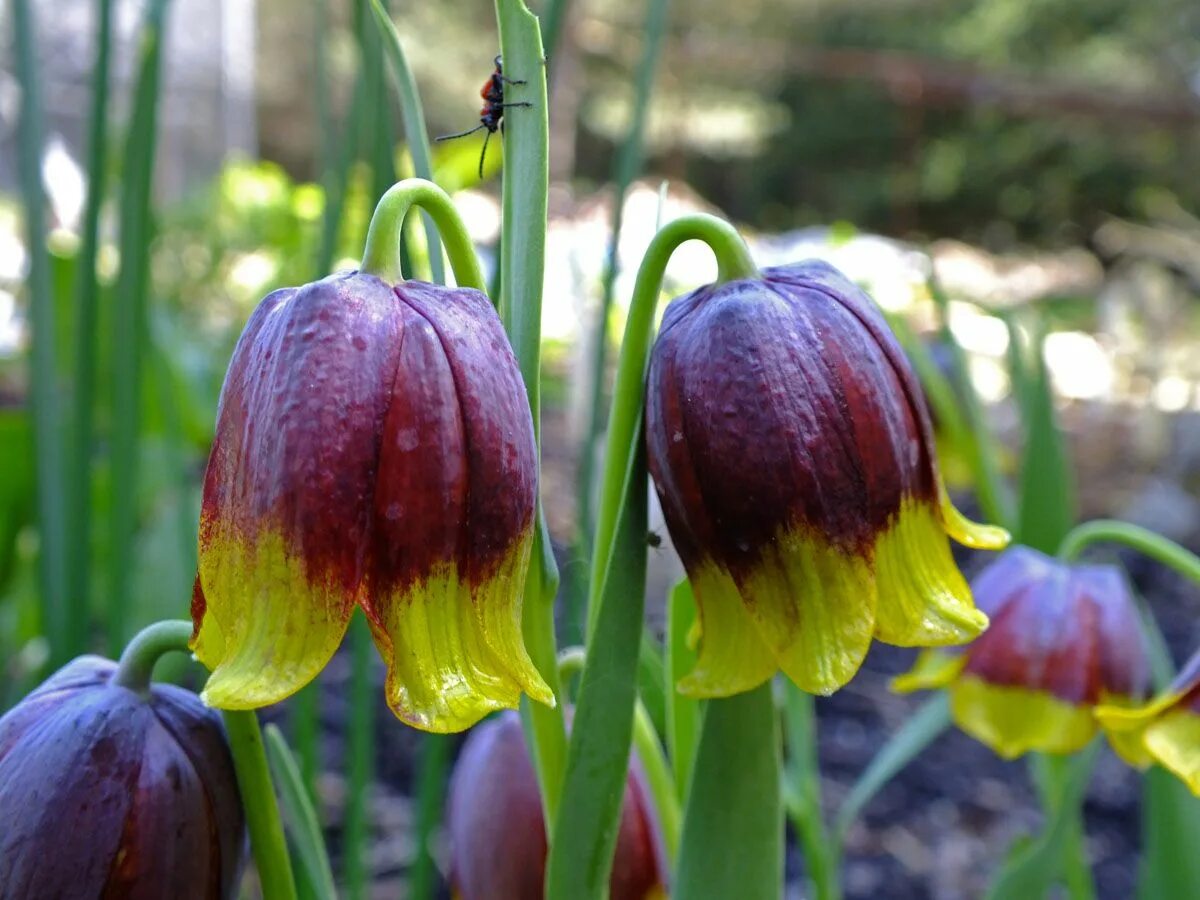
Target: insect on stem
(491, 115)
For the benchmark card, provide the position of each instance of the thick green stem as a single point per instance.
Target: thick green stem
(521, 267)
(733, 262)
(1141, 539)
(258, 800)
(659, 779)
(732, 842)
(246, 745)
(381, 256)
(137, 661)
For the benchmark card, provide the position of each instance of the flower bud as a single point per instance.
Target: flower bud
(791, 449)
(1064, 639)
(373, 448)
(105, 792)
(498, 835)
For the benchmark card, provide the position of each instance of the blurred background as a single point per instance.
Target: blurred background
(1034, 157)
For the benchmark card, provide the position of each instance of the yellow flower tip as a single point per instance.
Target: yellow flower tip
(933, 669)
(455, 652)
(1174, 742)
(1013, 721)
(970, 534)
(923, 599)
(731, 655)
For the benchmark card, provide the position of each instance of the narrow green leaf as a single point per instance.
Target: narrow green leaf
(924, 727)
(1169, 866)
(1047, 506)
(1033, 870)
(583, 842)
(651, 681)
(431, 783)
(732, 844)
(360, 752)
(802, 778)
(300, 818)
(130, 329)
(43, 371)
(414, 124)
(521, 262)
(16, 487)
(683, 713)
(87, 289)
(525, 188)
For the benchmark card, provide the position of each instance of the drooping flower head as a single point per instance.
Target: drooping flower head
(373, 448)
(1165, 731)
(108, 792)
(791, 449)
(1063, 639)
(498, 835)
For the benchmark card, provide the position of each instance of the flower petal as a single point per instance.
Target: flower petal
(1174, 742)
(1013, 721)
(923, 599)
(732, 657)
(968, 533)
(933, 669)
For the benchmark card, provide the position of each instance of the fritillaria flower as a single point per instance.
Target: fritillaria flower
(110, 792)
(498, 836)
(791, 449)
(374, 448)
(1064, 639)
(1165, 731)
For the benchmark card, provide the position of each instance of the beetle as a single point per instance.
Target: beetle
(491, 114)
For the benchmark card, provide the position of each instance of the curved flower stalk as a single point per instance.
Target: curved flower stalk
(792, 451)
(1064, 639)
(1165, 731)
(374, 448)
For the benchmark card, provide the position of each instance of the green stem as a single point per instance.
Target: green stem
(803, 777)
(258, 800)
(43, 375)
(521, 264)
(733, 262)
(142, 652)
(1141, 539)
(381, 256)
(659, 779)
(732, 841)
(360, 750)
(546, 730)
(1050, 777)
(86, 290)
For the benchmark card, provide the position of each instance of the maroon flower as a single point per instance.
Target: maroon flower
(105, 792)
(374, 448)
(498, 835)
